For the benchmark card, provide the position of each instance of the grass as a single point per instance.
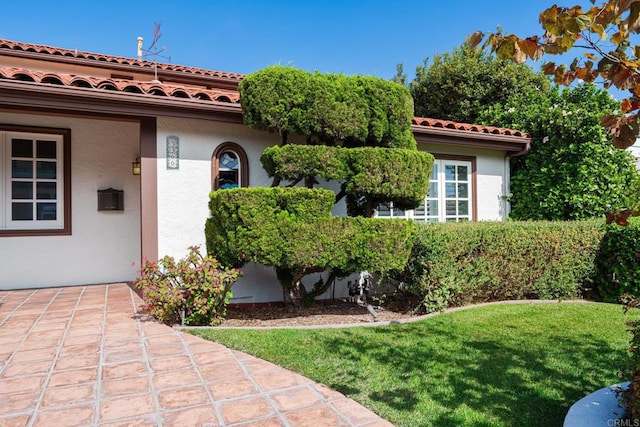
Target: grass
(499, 365)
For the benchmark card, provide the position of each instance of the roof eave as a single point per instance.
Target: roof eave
(46, 97)
(465, 138)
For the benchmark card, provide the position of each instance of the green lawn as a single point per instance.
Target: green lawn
(506, 365)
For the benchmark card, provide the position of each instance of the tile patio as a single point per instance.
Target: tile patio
(81, 356)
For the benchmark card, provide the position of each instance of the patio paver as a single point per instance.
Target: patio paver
(85, 356)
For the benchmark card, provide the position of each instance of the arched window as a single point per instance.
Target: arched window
(229, 167)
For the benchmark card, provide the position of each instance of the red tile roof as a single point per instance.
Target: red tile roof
(149, 65)
(447, 124)
(121, 85)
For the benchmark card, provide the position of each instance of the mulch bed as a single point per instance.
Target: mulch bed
(336, 312)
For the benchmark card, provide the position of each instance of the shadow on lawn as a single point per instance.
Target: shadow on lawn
(496, 376)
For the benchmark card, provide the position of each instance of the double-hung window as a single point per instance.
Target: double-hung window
(34, 181)
(450, 197)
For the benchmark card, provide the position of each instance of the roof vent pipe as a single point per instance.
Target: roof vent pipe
(140, 48)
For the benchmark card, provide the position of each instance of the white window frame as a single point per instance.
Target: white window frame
(438, 180)
(10, 227)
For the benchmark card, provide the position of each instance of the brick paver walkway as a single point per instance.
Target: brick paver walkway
(80, 356)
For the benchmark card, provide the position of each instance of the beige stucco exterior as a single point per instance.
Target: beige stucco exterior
(104, 246)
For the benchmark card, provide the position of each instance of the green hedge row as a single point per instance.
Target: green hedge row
(379, 174)
(458, 264)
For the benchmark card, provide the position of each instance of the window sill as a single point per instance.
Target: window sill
(35, 232)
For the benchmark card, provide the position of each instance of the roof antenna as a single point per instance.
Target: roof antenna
(152, 50)
(140, 40)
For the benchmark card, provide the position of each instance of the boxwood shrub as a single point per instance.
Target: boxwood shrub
(463, 263)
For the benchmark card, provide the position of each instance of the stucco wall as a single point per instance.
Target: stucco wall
(183, 193)
(104, 246)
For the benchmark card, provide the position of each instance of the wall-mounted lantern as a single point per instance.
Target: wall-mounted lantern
(135, 167)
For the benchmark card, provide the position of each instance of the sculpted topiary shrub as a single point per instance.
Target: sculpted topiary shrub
(382, 175)
(372, 175)
(358, 134)
(331, 109)
(245, 223)
(286, 228)
(296, 163)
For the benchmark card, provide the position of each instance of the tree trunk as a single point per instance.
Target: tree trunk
(275, 182)
(322, 286)
(293, 291)
(342, 193)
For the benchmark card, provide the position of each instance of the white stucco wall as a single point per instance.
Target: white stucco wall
(183, 193)
(104, 246)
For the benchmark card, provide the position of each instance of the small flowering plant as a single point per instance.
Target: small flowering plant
(192, 291)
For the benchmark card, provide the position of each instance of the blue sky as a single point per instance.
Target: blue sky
(348, 36)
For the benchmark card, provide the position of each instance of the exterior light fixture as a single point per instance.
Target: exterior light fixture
(135, 167)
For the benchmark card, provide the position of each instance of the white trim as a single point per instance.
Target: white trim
(438, 179)
(6, 222)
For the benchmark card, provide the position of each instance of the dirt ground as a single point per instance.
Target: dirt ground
(337, 312)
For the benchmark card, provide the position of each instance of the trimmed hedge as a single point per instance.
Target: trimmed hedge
(618, 262)
(382, 175)
(378, 174)
(292, 162)
(463, 263)
(332, 108)
(248, 224)
(292, 228)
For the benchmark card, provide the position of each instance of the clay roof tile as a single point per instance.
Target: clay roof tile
(49, 50)
(448, 124)
(120, 85)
